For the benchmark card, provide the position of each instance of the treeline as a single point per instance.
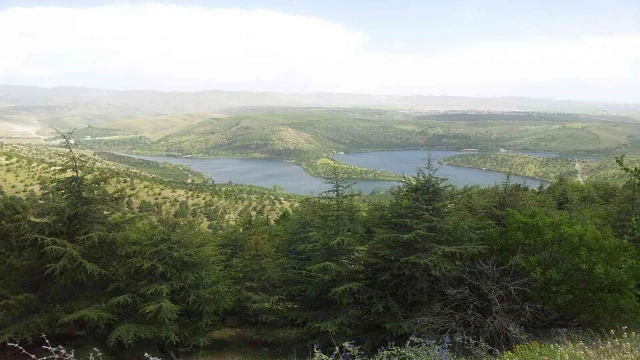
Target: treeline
(97, 132)
(330, 168)
(125, 144)
(469, 266)
(545, 168)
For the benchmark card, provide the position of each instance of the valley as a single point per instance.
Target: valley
(258, 231)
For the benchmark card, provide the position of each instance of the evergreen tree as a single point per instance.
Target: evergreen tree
(252, 260)
(323, 253)
(168, 288)
(417, 243)
(66, 236)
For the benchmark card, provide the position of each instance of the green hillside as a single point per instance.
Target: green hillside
(310, 136)
(156, 127)
(292, 133)
(546, 168)
(149, 185)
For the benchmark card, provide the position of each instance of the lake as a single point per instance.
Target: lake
(295, 180)
(407, 162)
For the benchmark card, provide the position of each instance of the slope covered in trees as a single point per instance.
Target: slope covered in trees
(150, 186)
(465, 272)
(545, 168)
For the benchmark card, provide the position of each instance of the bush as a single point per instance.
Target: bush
(580, 272)
(487, 303)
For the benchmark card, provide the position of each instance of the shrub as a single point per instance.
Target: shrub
(581, 272)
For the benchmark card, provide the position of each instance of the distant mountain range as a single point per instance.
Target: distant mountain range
(29, 111)
(158, 102)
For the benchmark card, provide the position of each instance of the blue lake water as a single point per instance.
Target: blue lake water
(407, 162)
(294, 180)
(263, 173)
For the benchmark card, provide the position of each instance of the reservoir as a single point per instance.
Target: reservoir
(295, 180)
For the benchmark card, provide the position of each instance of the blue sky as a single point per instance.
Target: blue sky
(588, 47)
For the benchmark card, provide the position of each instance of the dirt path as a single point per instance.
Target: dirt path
(579, 168)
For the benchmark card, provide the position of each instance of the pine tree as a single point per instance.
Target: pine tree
(67, 234)
(252, 259)
(418, 242)
(168, 287)
(323, 260)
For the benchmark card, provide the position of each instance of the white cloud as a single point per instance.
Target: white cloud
(192, 48)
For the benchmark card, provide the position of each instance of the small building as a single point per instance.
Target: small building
(470, 150)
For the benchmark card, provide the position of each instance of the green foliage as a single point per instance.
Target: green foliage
(170, 287)
(182, 211)
(106, 254)
(418, 241)
(61, 243)
(323, 255)
(547, 168)
(578, 270)
(147, 284)
(326, 168)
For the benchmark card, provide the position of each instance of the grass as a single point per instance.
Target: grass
(622, 345)
(617, 345)
(157, 127)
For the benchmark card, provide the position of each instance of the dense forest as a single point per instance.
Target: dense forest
(424, 271)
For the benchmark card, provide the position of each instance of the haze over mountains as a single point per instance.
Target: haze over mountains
(24, 110)
(217, 100)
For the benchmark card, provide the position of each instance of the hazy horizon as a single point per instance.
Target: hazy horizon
(328, 92)
(582, 51)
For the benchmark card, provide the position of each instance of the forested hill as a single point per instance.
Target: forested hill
(426, 271)
(288, 133)
(546, 168)
(148, 186)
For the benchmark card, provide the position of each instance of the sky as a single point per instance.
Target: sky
(572, 49)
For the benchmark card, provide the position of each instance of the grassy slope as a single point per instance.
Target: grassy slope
(23, 169)
(157, 127)
(42, 117)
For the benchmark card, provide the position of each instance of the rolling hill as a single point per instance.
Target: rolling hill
(293, 133)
